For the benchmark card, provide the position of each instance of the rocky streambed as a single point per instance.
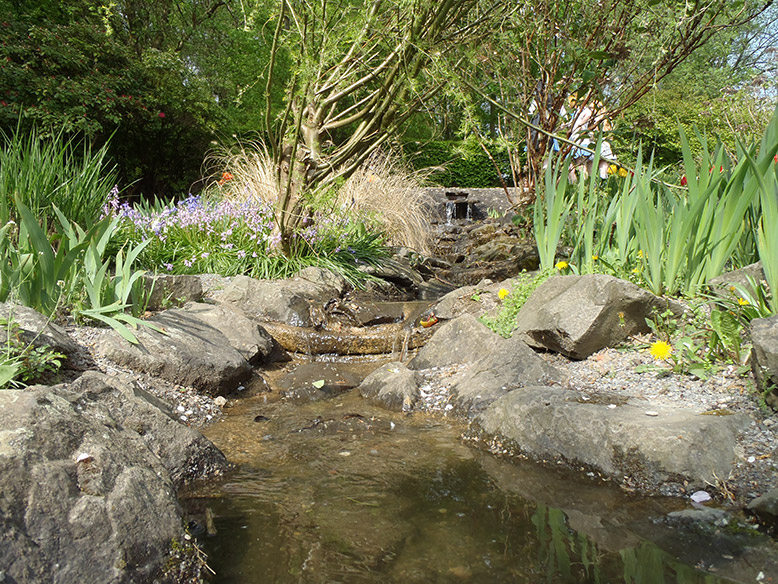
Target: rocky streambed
(93, 467)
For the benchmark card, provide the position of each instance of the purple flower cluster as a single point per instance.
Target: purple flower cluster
(221, 219)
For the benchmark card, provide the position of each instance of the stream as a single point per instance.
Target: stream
(338, 490)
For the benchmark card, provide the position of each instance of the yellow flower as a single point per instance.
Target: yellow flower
(595, 257)
(612, 169)
(743, 302)
(660, 350)
(640, 253)
(561, 265)
(623, 173)
(502, 293)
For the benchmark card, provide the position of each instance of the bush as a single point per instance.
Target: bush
(460, 163)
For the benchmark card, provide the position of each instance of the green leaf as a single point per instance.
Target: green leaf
(318, 384)
(8, 372)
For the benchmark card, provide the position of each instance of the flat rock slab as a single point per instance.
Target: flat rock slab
(317, 381)
(628, 440)
(190, 352)
(243, 334)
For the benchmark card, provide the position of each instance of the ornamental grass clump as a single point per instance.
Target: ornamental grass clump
(392, 199)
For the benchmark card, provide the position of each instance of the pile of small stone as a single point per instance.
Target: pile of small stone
(435, 388)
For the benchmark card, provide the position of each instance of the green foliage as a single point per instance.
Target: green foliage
(22, 362)
(674, 239)
(524, 285)
(68, 269)
(701, 339)
(44, 172)
(460, 163)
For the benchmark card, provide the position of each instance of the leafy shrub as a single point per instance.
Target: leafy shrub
(460, 163)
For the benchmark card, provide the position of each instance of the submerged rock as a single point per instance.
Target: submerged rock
(393, 386)
(88, 475)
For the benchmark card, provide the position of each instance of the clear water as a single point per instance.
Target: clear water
(340, 491)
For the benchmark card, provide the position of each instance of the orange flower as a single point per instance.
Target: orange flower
(226, 176)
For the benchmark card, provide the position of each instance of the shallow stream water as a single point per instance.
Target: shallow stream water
(341, 491)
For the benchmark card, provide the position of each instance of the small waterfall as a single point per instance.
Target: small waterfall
(451, 208)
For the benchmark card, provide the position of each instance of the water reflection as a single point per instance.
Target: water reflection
(404, 501)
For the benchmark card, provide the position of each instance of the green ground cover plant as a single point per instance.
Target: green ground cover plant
(22, 362)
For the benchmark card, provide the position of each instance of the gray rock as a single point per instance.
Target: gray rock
(169, 290)
(766, 508)
(616, 436)
(36, 329)
(496, 365)
(764, 357)
(739, 277)
(190, 352)
(88, 476)
(324, 279)
(579, 315)
(392, 386)
(507, 364)
(243, 334)
(287, 301)
(397, 270)
(462, 341)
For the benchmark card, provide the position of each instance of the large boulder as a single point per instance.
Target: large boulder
(720, 284)
(392, 386)
(189, 352)
(579, 315)
(287, 301)
(628, 440)
(495, 365)
(764, 356)
(36, 329)
(88, 479)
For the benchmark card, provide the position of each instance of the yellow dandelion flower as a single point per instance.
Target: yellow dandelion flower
(660, 350)
(613, 169)
(502, 293)
(561, 265)
(743, 302)
(595, 257)
(623, 173)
